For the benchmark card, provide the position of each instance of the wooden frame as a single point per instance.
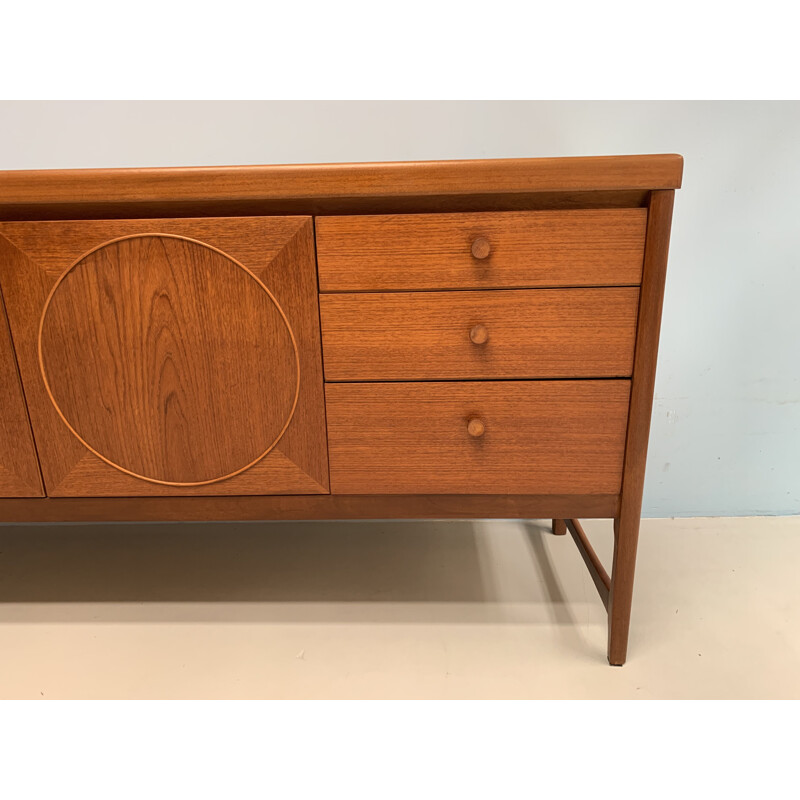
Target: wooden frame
(646, 182)
(305, 507)
(328, 183)
(616, 591)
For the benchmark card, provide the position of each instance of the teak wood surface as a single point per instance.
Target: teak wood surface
(427, 414)
(626, 524)
(192, 340)
(154, 350)
(527, 333)
(558, 437)
(307, 507)
(19, 469)
(292, 182)
(407, 252)
(325, 205)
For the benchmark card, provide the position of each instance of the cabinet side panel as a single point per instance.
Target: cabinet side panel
(626, 528)
(651, 300)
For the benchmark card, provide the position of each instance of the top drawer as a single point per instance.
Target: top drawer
(516, 249)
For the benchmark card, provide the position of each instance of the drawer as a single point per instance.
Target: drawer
(600, 247)
(524, 333)
(509, 437)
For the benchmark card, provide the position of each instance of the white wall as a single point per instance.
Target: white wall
(726, 425)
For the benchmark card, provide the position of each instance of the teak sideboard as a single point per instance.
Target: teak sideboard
(401, 340)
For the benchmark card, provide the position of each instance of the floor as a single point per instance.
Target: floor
(488, 609)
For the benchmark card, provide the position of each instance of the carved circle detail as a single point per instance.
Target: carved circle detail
(169, 359)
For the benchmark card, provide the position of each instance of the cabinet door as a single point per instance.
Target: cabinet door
(19, 470)
(169, 357)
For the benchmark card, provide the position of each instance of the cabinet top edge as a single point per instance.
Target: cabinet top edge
(341, 180)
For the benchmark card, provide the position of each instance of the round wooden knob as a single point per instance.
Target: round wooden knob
(478, 334)
(475, 427)
(481, 247)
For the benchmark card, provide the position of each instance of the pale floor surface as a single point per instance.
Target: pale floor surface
(488, 609)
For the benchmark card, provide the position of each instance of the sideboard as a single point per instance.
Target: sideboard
(439, 339)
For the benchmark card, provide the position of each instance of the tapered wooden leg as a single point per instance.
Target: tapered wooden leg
(559, 527)
(626, 528)
(626, 537)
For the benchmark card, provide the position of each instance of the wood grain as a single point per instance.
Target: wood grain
(626, 529)
(308, 181)
(76, 209)
(434, 251)
(392, 234)
(530, 333)
(596, 569)
(169, 360)
(278, 251)
(320, 506)
(540, 437)
(19, 469)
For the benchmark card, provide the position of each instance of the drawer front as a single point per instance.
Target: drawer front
(512, 437)
(527, 333)
(602, 247)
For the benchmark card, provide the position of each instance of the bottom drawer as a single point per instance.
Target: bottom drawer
(505, 437)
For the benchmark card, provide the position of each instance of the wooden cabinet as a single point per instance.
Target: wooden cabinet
(170, 356)
(19, 471)
(460, 339)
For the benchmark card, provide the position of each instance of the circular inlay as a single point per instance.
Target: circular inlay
(169, 359)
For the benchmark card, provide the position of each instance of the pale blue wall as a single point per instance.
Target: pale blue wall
(726, 426)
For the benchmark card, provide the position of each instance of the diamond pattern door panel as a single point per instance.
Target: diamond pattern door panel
(170, 356)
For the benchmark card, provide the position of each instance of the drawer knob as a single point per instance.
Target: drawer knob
(475, 427)
(478, 334)
(481, 248)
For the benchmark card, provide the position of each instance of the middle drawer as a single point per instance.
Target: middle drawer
(463, 335)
